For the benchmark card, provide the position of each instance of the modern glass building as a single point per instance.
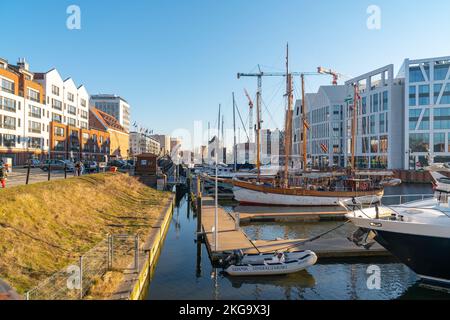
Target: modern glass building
(427, 116)
(115, 106)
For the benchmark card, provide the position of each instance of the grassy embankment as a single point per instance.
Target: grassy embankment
(46, 226)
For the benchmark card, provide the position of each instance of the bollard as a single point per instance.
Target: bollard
(28, 172)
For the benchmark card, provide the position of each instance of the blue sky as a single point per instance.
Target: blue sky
(176, 60)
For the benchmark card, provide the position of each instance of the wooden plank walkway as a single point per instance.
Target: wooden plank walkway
(231, 238)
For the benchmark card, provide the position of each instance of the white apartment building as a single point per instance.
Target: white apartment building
(380, 125)
(142, 143)
(66, 103)
(24, 118)
(427, 116)
(325, 137)
(115, 106)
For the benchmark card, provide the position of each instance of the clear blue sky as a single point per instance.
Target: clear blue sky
(176, 60)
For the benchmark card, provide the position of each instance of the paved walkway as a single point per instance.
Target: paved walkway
(19, 176)
(7, 293)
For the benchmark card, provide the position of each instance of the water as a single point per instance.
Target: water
(184, 270)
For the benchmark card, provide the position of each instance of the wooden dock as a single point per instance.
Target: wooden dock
(230, 238)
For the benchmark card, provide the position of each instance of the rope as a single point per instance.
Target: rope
(296, 244)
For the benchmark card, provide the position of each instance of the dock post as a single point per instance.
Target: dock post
(199, 206)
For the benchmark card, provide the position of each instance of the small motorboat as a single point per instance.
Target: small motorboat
(393, 182)
(258, 258)
(277, 265)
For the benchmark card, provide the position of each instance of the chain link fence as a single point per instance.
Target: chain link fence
(116, 252)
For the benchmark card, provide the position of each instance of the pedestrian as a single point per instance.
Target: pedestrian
(3, 174)
(78, 168)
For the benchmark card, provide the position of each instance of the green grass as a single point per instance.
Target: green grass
(46, 226)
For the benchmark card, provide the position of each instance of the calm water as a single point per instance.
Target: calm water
(184, 270)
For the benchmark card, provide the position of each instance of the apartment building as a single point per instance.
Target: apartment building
(24, 117)
(380, 126)
(325, 138)
(427, 111)
(115, 106)
(142, 143)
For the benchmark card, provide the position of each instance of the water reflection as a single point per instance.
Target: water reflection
(184, 271)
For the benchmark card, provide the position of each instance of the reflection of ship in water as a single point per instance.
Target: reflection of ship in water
(301, 280)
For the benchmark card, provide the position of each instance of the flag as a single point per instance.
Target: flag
(324, 148)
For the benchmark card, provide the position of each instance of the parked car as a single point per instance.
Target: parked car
(117, 163)
(57, 165)
(90, 166)
(34, 163)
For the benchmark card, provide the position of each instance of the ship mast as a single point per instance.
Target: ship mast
(258, 126)
(304, 126)
(288, 124)
(354, 124)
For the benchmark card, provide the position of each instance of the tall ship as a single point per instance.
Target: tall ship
(307, 188)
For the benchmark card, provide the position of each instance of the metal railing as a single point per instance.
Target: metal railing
(116, 252)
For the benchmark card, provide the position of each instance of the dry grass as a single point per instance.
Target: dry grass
(46, 226)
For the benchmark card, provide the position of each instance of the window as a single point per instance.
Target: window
(382, 123)
(441, 118)
(55, 90)
(56, 104)
(34, 112)
(446, 95)
(412, 96)
(364, 105)
(33, 95)
(56, 117)
(35, 143)
(440, 71)
(415, 74)
(425, 123)
(439, 142)
(373, 145)
(9, 123)
(365, 145)
(7, 86)
(72, 110)
(372, 124)
(83, 125)
(424, 95)
(60, 146)
(70, 97)
(71, 122)
(8, 104)
(34, 127)
(59, 132)
(9, 140)
(419, 142)
(375, 103)
(437, 91)
(83, 102)
(385, 101)
(384, 144)
(84, 114)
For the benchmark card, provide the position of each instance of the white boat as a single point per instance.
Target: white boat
(258, 258)
(276, 266)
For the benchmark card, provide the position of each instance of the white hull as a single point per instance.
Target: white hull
(256, 197)
(308, 260)
(261, 258)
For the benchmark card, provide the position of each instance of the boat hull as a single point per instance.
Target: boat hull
(249, 196)
(308, 260)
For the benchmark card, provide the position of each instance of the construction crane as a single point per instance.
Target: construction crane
(250, 116)
(336, 76)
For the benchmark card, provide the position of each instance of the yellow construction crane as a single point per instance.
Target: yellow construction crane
(336, 76)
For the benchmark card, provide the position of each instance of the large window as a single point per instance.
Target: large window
(33, 95)
(7, 86)
(8, 104)
(440, 71)
(35, 143)
(415, 74)
(412, 96)
(364, 105)
(419, 142)
(71, 122)
(34, 112)
(56, 104)
(9, 140)
(446, 95)
(373, 145)
(365, 145)
(372, 124)
(441, 118)
(384, 144)
(59, 132)
(424, 95)
(375, 103)
(70, 97)
(437, 91)
(9, 123)
(56, 117)
(34, 127)
(414, 116)
(439, 142)
(385, 101)
(71, 110)
(382, 123)
(84, 114)
(55, 90)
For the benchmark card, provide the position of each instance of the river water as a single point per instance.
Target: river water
(184, 270)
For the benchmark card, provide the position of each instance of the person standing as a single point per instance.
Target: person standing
(3, 174)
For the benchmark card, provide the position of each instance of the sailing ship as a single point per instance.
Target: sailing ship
(306, 191)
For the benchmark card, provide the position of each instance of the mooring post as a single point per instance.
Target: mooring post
(199, 206)
(28, 171)
(237, 220)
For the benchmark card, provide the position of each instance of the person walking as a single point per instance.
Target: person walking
(78, 168)
(3, 174)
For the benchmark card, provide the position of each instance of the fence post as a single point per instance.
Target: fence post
(81, 277)
(136, 253)
(49, 169)
(28, 172)
(65, 170)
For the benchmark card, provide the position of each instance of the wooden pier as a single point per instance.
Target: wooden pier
(231, 237)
